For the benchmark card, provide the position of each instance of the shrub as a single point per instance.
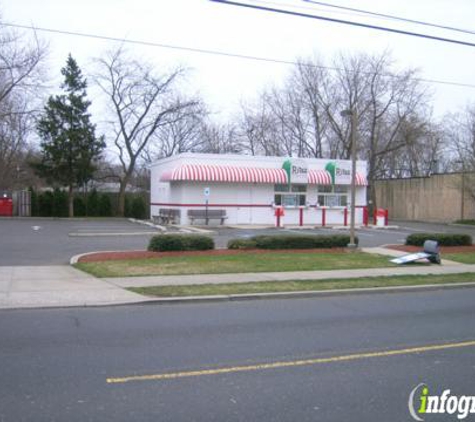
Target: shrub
(180, 242)
(138, 208)
(105, 206)
(93, 203)
(467, 222)
(34, 203)
(444, 239)
(242, 244)
(45, 204)
(79, 207)
(59, 203)
(198, 243)
(291, 242)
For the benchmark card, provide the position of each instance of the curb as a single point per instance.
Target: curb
(75, 259)
(303, 294)
(196, 300)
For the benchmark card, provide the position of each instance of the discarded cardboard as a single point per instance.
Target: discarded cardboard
(431, 252)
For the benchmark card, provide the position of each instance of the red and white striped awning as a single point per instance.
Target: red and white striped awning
(360, 180)
(230, 174)
(323, 177)
(319, 177)
(214, 173)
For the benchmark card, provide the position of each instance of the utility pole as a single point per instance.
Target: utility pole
(352, 114)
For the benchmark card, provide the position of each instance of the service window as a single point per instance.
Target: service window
(290, 196)
(333, 196)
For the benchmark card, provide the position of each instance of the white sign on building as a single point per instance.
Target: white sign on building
(343, 173)
(297, 170)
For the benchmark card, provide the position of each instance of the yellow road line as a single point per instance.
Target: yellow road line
(290, 364)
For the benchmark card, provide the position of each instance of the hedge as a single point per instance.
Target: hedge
(93, 204)
(444, 239)
(180, 242)
(242, 244)
(292, 242)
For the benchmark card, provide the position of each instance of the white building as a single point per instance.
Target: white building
(248, 189)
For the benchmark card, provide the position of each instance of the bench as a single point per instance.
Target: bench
(207, 215)
(167, 216)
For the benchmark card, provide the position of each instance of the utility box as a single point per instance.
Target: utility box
(6, 206)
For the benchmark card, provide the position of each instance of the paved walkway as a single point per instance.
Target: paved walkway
(57, 286)
(170, 280)
(64, 286)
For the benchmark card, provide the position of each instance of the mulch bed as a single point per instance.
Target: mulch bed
(443, 249)
(122, 255)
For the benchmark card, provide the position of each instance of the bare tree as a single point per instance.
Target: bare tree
(142, 102)
(304, 116)
(257, 130)
(218, 139)
(21, 78)
(423, 154)
(181, 134)
(460, 135)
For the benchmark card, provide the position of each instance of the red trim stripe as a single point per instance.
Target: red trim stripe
(168, 204)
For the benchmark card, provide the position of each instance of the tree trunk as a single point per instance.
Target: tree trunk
(71, 201)
(121, 205)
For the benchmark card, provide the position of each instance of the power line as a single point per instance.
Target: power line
(211, 52)
(392, 17)
(345, 22)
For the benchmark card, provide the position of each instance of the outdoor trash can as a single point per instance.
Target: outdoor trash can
(6, 207)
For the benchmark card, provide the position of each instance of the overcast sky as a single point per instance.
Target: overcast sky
(225, 81)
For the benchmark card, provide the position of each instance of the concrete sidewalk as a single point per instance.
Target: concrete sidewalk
(175, 280)
(57, 286)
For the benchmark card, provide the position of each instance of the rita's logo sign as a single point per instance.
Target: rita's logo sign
(340, 172)
(297, 170)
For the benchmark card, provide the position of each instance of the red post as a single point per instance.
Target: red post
(386, 217)
(300, 216)
(345, 217)
(375, 216)
(279, 213)
(324, 217)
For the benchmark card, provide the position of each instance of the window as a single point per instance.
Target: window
(290, 195)
(333, 196)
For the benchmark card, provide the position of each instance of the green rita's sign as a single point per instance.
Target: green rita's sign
(340, 172)
(297, 170)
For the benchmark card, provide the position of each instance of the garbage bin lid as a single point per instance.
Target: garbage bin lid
(431, 246)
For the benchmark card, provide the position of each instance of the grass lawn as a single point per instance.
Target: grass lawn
(240, 263)
(462, 257)
(301, 285)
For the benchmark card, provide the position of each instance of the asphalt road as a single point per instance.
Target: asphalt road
(55, 363)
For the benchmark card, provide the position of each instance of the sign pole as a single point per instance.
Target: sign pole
(206, 193)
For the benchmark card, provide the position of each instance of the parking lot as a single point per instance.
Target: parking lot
(44, 241)
(368, 237)
(40, 241)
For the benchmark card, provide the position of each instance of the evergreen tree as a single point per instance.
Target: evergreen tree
(68, 142)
